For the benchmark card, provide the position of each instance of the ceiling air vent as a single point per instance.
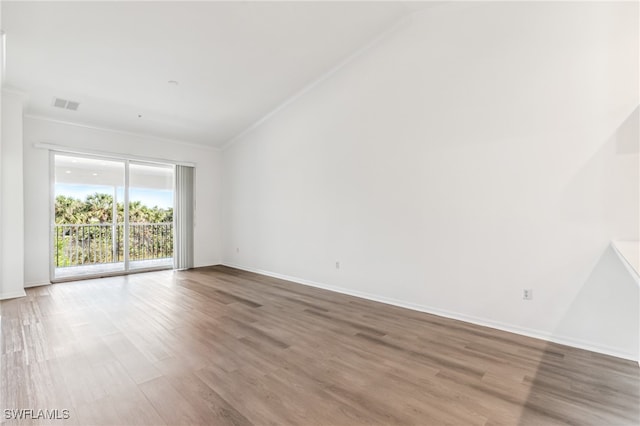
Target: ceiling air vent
(63, 103)
(73, 106)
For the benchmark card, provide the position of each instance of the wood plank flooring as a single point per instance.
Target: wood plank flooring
(219, 346)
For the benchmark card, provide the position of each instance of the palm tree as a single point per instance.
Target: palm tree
(69, 210)
(99, 207)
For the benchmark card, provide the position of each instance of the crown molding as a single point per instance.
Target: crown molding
(122, 132)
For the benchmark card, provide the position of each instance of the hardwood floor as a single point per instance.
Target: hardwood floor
(220, 346)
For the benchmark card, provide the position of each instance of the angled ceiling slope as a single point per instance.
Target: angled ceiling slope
(231, 63)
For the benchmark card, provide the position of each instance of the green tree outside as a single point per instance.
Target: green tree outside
(85, 233)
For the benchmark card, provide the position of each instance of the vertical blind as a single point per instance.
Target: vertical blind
(184, 218)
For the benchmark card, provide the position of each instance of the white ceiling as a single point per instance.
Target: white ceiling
(234, 61)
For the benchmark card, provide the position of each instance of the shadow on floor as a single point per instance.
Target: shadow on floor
(572, 380)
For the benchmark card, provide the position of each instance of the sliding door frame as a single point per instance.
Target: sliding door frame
(126, 161)
(125, 214)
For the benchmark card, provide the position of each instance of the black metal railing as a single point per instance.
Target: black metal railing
(89, 244)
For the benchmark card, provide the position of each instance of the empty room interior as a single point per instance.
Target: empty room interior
(320, 213)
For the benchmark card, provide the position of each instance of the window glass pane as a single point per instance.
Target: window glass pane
(150, 215)
(87, 235)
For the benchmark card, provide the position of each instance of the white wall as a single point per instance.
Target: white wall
(469, 155)
(36, 185)
(11, 197)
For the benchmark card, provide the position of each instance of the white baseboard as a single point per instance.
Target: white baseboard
(537, 334)
(36, 284)
(12, 295)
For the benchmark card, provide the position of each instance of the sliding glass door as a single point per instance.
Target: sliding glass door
(87, 227)
(110, 216)
(150, 215)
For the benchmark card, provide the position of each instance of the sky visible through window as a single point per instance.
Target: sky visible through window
(162, 198)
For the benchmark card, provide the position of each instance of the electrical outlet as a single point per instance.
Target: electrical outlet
(527, 294)
(337, 265)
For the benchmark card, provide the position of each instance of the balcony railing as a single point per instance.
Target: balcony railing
(90, 244)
